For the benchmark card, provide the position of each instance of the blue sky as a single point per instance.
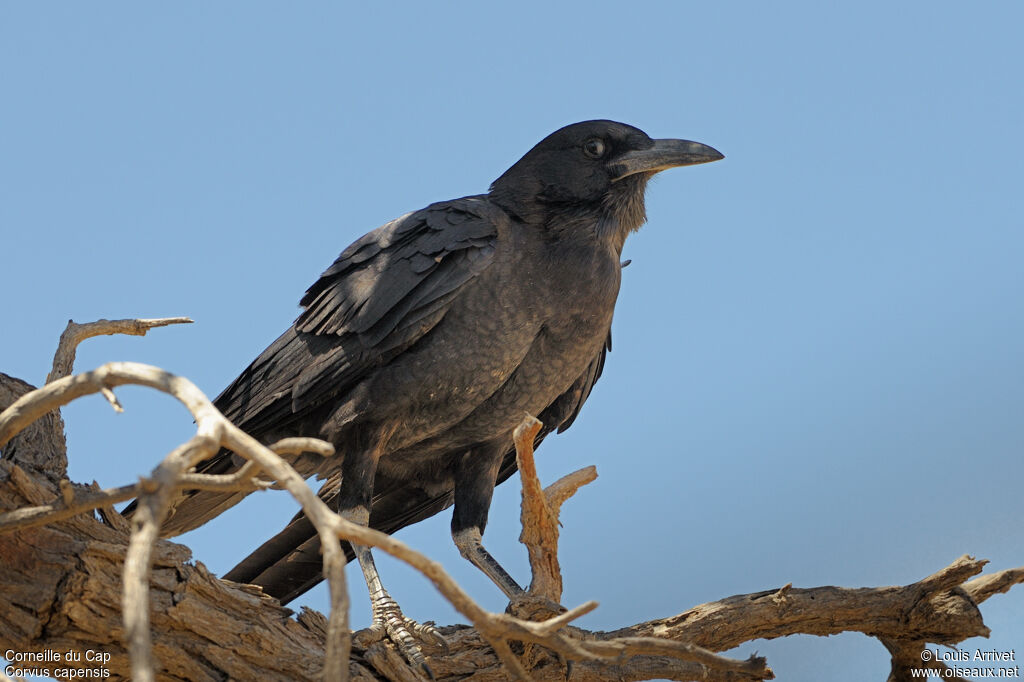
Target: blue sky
(818, 371)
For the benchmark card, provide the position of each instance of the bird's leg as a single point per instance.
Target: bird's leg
(471, 547)
(388, 619)
(475, 478)
(356, 492)
(474, 485)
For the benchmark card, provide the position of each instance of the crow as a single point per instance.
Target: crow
(424, 344)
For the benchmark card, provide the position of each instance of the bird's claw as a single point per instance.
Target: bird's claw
(428, 632)
(389, 622)
(529, 607)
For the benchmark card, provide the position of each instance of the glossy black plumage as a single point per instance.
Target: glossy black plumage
(426, 342)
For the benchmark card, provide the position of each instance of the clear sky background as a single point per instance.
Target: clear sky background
(818, 370)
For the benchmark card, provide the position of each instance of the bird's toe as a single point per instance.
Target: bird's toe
(529, 607)
(406, 634)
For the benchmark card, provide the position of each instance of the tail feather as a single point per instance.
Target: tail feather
(290, 563)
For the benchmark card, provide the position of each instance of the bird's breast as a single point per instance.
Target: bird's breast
(512, 347)
(513, 340)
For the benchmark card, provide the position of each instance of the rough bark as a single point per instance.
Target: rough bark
(61, 587)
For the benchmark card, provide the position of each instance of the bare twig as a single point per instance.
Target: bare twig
(540, 526)
(565, 487)
(243, 481)
(684, 651)
(152, 508)
(984, 586)
(109, 515)
(539, 515)
(952, 575)
(58, 510)
(73, 503)
(74, 334)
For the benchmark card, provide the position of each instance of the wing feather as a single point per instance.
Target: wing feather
(381, 295)
(377, 298)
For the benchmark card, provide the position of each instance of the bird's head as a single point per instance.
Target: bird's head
(596, 170)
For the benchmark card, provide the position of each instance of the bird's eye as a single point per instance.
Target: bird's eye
(594, 148)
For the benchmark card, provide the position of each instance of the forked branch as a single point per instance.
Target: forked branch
(155, 493)
(942, 608)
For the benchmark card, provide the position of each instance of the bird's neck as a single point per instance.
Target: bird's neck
(623, 210)
(606, 222)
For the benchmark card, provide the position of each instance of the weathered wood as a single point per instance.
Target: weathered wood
(61, 588)
(60, 591)
(41, 445)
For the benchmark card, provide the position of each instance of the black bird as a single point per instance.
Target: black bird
(426, 342)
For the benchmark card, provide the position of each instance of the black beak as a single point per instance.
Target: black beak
(664, 154)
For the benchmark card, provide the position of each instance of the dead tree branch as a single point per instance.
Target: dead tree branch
(74, 334)
(540, 510)
(936, 609)
(214, 432)
(60, 587)
(78, 499)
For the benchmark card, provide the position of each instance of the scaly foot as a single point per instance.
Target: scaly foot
(526, 606)
(389, 622)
